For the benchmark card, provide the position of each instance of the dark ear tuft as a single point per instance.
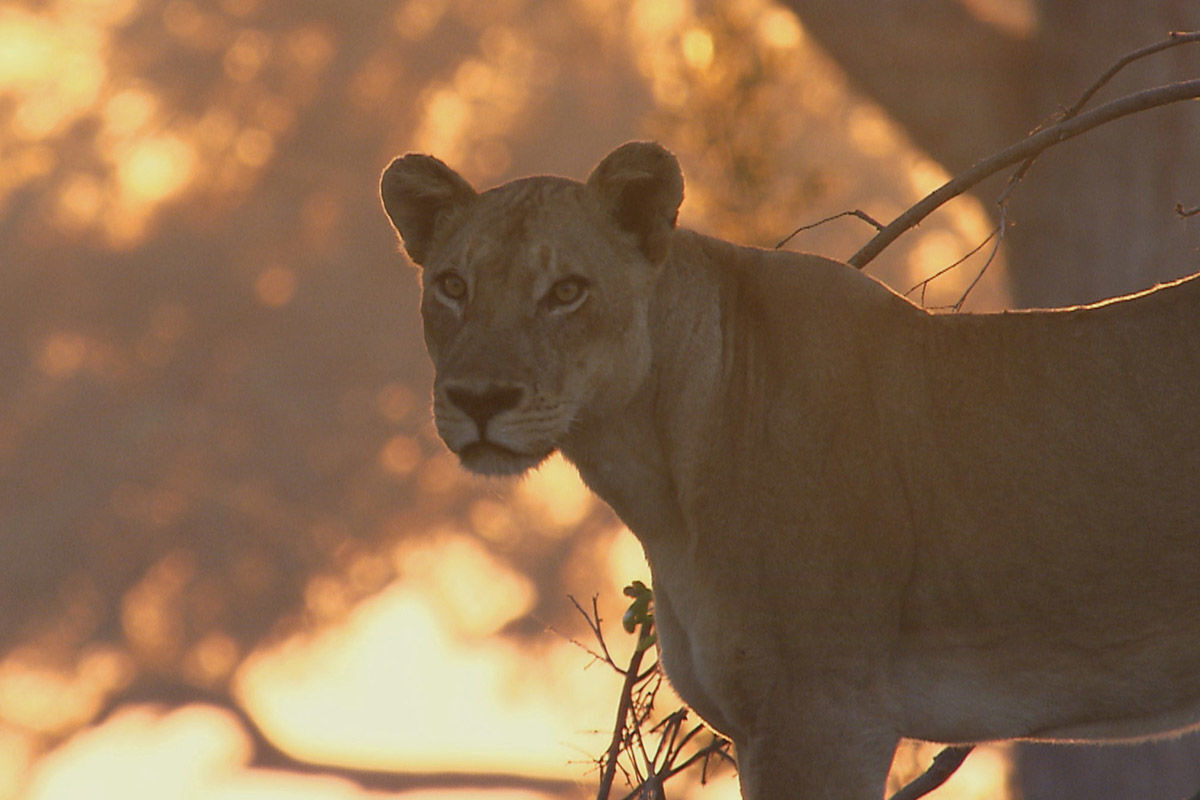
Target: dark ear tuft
(418, 192)
(641, 187)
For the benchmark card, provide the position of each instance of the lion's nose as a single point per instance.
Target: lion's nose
(483, 403)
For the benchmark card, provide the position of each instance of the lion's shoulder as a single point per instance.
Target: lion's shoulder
(785, 298)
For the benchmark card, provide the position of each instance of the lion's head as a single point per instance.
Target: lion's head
(535, 295)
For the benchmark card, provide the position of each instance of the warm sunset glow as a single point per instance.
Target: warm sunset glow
(254, 147)
(395, 402)
(28, 48)
(478, 594)
(660, 17)
(698, 48)
(936, 247)
(49, 698)
(447, 114)
(872, 132)
(414, 19)
(926, 175)
(1015, 17)
(17, 754)
(55, 73)
(80, 202)
(54, 68)
(129, 111)
(780, 28)
(62, 354)
(149, 615)
(413, 687)
(144, 753)
(395, 688)
(275, 286)
(246, 56)
(156, 168)
(141, 753)
(555, 491)
(400, 455)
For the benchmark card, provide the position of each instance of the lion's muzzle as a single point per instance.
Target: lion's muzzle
(483, 403)
(480, 423)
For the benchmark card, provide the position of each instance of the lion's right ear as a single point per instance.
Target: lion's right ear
(641, 187)
(419, 192)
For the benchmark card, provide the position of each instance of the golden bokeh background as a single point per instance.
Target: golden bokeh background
(235, 561)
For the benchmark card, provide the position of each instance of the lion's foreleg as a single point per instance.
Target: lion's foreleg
(816, 754)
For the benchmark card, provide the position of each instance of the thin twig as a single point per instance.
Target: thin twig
(675, 749)
(718, 747)
(924, 284)
(1174, 39)
(593, 622)
(1000, 228)
(1031, 145)
(1184, 213)
(666, 740)
(864, 216)
(623, 707)
(944, 765)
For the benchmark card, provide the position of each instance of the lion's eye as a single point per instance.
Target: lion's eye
(567, 292)
(452, 286)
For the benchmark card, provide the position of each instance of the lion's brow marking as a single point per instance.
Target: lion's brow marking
(518, 223)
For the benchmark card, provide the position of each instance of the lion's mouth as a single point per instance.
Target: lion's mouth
(489, 458)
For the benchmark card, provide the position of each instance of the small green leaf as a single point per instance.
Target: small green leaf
(629, 620)
(639, 612)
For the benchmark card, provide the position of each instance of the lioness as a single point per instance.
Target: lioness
(863, 521)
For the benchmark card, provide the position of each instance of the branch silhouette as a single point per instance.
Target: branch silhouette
(166, 693)
(945, 764)
(1029, 147)
(646, 769)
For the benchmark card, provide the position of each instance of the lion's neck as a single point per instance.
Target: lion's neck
(639, 458)
(620, 459)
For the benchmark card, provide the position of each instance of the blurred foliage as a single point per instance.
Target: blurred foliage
(214, 423)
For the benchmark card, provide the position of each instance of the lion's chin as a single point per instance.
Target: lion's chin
(489, 458)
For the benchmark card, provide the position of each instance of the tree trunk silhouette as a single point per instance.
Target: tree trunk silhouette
(1096, 216)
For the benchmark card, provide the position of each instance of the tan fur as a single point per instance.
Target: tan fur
(863, 521)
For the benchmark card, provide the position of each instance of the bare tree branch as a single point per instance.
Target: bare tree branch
(1030, 146)
(265, 754)
(647, 768)
(1174, 39)
(944, 765)
(593, 622)
(623, 707)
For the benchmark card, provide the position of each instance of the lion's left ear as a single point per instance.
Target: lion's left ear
(641, 186)
(418, 193)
